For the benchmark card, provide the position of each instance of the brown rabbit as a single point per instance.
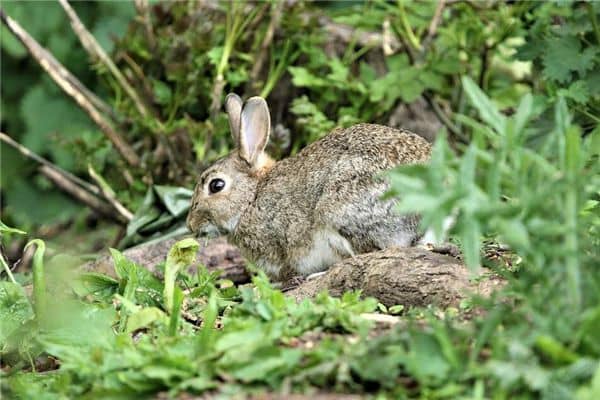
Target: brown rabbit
(306, 212)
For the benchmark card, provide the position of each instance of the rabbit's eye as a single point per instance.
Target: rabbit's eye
(216, 185)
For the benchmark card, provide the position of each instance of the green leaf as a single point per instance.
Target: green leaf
(577, 91)
(554, 349)
(162, 92)
(303, 78)
(15, 310)
(425, 360)
(515, 233)
(563, 56)
(487, 111)
(144, 318)
(524, 113)
(176, 199)
(397, 309)
(470, 235)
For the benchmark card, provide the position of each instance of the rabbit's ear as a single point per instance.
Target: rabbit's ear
(233, 106)
(255, 129)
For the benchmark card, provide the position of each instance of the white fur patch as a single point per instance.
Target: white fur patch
(231, 223)
(431, 238)
(328, 247)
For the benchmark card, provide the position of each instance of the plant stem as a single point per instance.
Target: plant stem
(572, 264)
(594, 20)
(95, 50)
(39, 281)
(7, 269)
(414, 41)
(31, 155)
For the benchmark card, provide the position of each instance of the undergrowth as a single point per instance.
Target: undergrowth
(518, 165)
(137, 335)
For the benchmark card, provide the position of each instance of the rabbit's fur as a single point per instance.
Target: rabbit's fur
(304, 213)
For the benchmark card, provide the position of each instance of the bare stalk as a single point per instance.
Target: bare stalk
(276, 12)
(81, 194)
(433, 26)
(144, 10)
(97, 52)
(31, 155)
(7, 268)
(124, 214)
(109, 195)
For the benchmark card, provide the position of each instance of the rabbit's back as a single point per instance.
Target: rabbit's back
(326, 201)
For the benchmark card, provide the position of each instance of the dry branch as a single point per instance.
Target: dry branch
(70, 85)
(277, 9)
(433, 26)
(71, 183)
(143, 9)
(97, 52)
(109, 195)
(80, 194)
(30, 154)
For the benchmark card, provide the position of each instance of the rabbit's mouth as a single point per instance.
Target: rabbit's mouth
(208, 230)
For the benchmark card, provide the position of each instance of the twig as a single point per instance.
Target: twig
(137, 70)
(96, 51)
(347, 33)
(6, 268)
(67, 176)
(433, 26)
(60, 70)
(444, 119)
(80, 194)
(109, 194)
(484, 55)
(56, 72)
(30, 154)
(144, 10)
(267, 40)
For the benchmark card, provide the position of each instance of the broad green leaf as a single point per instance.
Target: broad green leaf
(144, 318)
(303, 78)
(424, 359)
(15, 311)
(487, 110)
(470, 235)
(578, 91)
(554, 349)
(515, 233)
(524, 113)
(177, 200)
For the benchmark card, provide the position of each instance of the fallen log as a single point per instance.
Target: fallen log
(214, 254)
(408, 276)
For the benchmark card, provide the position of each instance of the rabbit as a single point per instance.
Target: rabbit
(300, 215)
